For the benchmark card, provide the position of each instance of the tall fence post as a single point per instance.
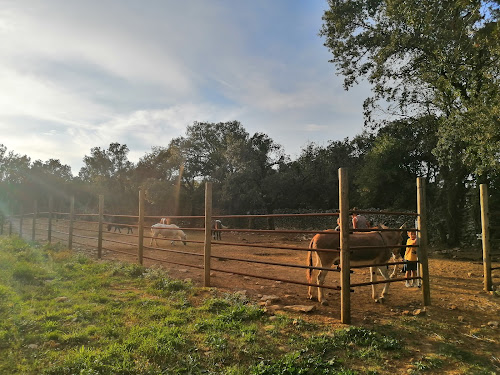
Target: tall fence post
(422, 247)
(71, 222)
(208, 232)
(345, 257)
(140, 226)
(21, 220)
(485, 236)
(33, 223)
(49, 228)
(101, 216)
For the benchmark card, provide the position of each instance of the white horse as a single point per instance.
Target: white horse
(168, 231)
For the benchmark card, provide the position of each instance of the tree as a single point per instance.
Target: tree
(399, 153)
(437, 58)
(50, 178)
(109, 171)
(14, 178)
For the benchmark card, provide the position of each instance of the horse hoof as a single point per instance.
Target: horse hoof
(379, 300)
(324, 303)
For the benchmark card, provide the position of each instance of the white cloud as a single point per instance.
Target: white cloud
(77, 75)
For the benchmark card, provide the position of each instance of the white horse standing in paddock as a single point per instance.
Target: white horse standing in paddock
(379, 252)
(169, 231)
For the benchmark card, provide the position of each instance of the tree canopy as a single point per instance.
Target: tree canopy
(425, 57)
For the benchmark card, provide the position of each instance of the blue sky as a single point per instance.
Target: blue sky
(83, 74)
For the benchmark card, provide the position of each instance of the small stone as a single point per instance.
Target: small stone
(272, 298)
(61, 299)
(272, 308)
(299, 308)
(493, 324)
(33, 346)
(461, 319)
(419, 312)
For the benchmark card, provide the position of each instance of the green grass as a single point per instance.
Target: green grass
(62, 313)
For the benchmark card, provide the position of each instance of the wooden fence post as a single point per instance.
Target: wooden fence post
(71, 222)
(345, 256)
(21, 221)
(49, 229)
(33, 223)
(140, 226)
(208, 232)
(485, 236)
(99, 236)
(422, 236)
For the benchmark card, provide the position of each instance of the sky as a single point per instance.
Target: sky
(81, 74)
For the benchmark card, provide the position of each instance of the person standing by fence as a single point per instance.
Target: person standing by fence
(359, 221)
(410, 266)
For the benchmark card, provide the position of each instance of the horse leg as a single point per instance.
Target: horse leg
(321, 281)
(373, 279)
(384, 271)
(394, 272)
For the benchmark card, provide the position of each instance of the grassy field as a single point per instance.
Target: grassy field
(63, 313)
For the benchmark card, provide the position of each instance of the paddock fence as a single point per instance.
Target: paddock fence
(104, 235)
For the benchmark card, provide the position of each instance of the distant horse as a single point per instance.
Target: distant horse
(119, 227)
(216, 229)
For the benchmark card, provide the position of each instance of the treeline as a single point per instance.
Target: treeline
(252, 174)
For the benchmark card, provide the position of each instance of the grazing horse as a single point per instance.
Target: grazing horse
(170, 231)
(379, 252)
(119, 227)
